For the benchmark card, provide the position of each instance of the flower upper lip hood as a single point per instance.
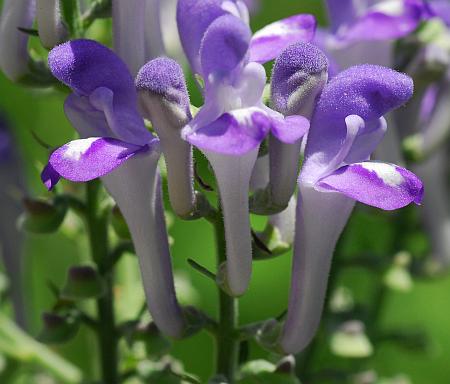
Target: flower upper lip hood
(368, 91)
(194, 17)
(95, 72)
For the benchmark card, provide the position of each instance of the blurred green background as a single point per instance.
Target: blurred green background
(425, 307)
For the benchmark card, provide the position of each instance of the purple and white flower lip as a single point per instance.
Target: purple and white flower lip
(233, 122)
(14, 55)
(117, 147)
(346, 127)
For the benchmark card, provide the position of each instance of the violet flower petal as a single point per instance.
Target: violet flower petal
(193, 19)
(381, 185)
(87, 159)
(14, 55)
(94, 71)
(290, 129)
(224, 46)
(234, 133)
(270, 41)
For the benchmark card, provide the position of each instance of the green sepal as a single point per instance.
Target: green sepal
(83, 282)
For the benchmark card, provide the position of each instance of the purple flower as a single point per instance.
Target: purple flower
(346, 127)
(117, 147)
(233, 122)
(14, 56)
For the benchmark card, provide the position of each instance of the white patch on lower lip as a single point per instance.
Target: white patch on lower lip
(386, 172)
(77, 149)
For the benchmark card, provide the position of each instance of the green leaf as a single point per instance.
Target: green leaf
(269, 378)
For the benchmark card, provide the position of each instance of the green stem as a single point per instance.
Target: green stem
(98, 238)
(227, 342)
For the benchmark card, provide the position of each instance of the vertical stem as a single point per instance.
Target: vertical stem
(98, 239)
(227, 345)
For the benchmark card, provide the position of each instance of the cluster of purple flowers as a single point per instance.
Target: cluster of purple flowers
(325, 108)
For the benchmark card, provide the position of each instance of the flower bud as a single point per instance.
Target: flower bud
(299, 75)
(57, 328)
(83, 282)
(164, 100)
(42, 217)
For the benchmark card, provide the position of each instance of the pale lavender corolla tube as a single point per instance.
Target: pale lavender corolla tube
(233, 122)
(117, 147)
(346, 127)
(11, 240)
(137, 31)
(14, 57)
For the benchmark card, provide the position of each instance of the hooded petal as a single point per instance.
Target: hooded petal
(95, 72)
(87, 159)
(368, 91)
(270, 41)
(224, 46)
(14, 56)
(381, 185)
(298, 77)
(85, 65)
(193, 19)
(235, 133)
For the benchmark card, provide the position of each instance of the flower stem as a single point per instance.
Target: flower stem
(227, 343)
(98, 238)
